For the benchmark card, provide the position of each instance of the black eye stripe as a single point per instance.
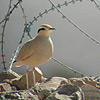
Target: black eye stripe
(41, 29)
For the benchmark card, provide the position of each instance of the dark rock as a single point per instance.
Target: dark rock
(67, 92)
(14, 96)
(8, 96)
(91, 92)
(2, 97)
(44, 94)
(67, 89)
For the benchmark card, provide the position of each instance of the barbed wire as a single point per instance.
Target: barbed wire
(27, 30)
(10, 12)
(96, 4)
(62, 64)
(2, 37)
(24, 15)
(7, 17)
(18, 47)
(76, 26)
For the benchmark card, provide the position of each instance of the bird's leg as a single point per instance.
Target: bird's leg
(27, 77)
(33, 70)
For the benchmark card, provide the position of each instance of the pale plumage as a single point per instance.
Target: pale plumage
(36, 51)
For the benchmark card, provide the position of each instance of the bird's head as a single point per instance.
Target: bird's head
(45, 30)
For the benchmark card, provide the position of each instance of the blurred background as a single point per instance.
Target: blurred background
(71, 46)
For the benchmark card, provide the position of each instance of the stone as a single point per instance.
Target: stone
(21, 81)
(55, 88)
(53, 82)
(98, 85)
(18, 95)
(5, 87)
(71, 90)
(44, 94)
(27, 95)
(57, 96)
(66, 92)
(65, 81)
(77, 81)
(67, 89)
(8, 96)
(8, 75)
(90, 81)
(50, 85)
(91, 92)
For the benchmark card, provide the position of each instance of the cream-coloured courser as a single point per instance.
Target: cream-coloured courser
(37, 50)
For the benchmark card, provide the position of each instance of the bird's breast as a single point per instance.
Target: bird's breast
(45, 48)
(43, 52)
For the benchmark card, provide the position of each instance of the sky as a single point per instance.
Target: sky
(71, 47)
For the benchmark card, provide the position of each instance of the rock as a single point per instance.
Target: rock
(44, 94)
(21, 82)
(67, 89)
(5, 87)
(53, 82)
(56, 88)
(43, 79)
(98, 85)
(48, 87)
(2, 97)
(27, 95)
(90, 81)
(91, 92)
(77, 81)
(11, 96)
(8, 75)
(84, 80)
(67, 92)
(56, 96)
(65, 81)
(7, 96)
(71, 90)
(18, 95)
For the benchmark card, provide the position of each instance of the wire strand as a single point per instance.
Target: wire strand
(27, 30)
(75, 71)
(2, 37)
(96, 4)
(76, 26)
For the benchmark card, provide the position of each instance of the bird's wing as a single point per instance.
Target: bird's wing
(26, 51)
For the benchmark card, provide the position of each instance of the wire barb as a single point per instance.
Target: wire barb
(27, 30)
(24, 15)
(7, 17)
(77, 27)
(2, 36)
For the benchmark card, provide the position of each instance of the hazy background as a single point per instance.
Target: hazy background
(72, 47)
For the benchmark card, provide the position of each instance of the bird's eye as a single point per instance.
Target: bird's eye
(41, 29)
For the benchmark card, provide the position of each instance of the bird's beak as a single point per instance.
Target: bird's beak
(52, 29)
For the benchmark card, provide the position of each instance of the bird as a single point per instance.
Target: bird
(36, 51)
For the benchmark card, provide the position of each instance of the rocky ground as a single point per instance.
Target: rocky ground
(13, 87)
